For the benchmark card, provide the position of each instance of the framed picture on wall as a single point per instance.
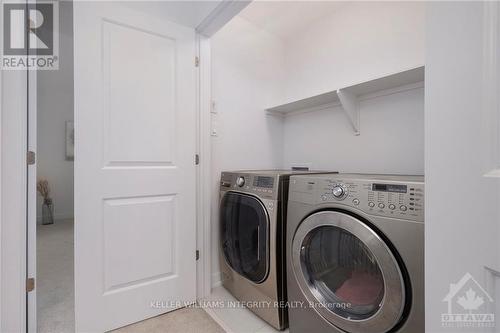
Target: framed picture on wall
(70, 141)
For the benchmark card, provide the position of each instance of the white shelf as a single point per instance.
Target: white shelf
(348, 97)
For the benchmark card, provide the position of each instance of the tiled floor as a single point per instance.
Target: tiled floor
(55, 291)
(186, 320)
(235, 320)
(207, 319)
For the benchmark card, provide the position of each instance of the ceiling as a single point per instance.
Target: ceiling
(188, 13)
(284, 19)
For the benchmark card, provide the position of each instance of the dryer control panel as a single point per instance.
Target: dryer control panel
(265, 186)
(392, 196)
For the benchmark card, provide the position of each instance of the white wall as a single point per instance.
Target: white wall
(246, 77)
(253, 70)
(391, 140)
(358, 42)
(55, 107)
(461, 232)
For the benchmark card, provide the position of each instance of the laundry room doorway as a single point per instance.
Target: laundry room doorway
(54, 211)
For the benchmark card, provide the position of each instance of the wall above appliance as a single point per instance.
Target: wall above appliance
(349, 97)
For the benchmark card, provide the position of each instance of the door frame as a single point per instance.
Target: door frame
(13, 204)
(203, 183)
(31, 195)
(18, 180)
(223, 13)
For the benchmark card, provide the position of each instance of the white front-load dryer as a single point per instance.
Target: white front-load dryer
(355, 253)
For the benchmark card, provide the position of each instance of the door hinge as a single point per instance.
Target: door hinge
(30, 284)
(197, 159)
(197, 254)
(197, 61)
(30, 157)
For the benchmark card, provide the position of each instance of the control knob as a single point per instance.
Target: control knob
(240, 181)
(339, 192)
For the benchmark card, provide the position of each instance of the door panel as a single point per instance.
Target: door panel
(135, 229)
(244, 235)
(124, 266)
(135, 117)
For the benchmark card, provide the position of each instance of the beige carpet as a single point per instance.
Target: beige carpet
(55, 278)
(186, 320)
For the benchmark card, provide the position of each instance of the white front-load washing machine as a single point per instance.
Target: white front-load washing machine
(355, 253)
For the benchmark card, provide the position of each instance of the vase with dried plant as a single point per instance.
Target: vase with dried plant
(43, 188)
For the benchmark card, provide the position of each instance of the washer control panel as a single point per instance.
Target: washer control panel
(391, 196)
(340, 191)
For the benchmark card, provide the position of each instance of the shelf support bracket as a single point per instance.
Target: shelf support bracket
(350, 104)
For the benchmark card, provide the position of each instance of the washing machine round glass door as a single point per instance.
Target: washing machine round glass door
(348, 273)
(244, 224)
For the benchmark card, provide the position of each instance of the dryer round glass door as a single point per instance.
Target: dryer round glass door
(244, 225)
(348, 273)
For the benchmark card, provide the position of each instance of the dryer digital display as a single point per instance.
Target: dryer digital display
(267, 182)
(390, 188)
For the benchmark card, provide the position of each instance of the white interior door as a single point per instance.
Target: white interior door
(135, 231)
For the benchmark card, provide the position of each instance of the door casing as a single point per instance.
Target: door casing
(13, 181)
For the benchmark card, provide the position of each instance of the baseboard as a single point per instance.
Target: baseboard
(218, 320)
(216, 279)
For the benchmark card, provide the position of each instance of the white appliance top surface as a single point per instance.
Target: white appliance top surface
(398, 178)
(281, 172)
